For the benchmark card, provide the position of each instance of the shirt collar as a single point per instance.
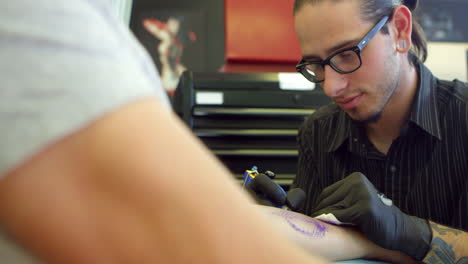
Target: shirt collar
(344, 132)
(424, 111)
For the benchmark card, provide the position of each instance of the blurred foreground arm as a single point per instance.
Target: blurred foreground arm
(136, 187)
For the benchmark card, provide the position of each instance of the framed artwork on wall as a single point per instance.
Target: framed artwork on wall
(174, 39)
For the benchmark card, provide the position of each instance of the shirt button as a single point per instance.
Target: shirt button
(392, 168)
(355, 139)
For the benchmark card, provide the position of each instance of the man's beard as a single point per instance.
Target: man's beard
(392, 86)
(374, 118)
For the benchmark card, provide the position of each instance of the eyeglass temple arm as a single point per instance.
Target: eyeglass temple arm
(372, 33)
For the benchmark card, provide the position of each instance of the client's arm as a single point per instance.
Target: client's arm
(330, 241)
(136, 187)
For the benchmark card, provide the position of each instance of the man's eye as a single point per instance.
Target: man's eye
(313, 65)
(346, 55)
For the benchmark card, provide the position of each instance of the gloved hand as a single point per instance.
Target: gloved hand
(266, 192)
(355, 200)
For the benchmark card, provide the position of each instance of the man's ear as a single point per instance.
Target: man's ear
(401, 26)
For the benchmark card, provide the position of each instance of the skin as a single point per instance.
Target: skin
(123, 199)
(385, 84)
(333, 242)
(109, 194)
(448, 245)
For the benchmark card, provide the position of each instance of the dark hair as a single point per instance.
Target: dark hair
(374, 10)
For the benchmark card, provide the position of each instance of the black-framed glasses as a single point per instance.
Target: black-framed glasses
(344, 61)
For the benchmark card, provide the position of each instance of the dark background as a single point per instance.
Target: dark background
(444, 20)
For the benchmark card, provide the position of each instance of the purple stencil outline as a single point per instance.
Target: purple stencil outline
(318, 232)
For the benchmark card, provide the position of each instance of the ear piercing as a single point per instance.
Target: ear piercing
(402, 44)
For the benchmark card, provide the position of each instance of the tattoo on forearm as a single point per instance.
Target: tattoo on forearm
(438, 258)
(443, 251)
(443, 230)
(303, 224)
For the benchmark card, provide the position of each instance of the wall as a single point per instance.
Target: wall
(261, 32)
(448, 60)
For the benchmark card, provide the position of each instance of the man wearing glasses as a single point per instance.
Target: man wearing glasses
(394, 131)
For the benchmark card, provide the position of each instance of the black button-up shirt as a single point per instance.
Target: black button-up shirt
(425, 171)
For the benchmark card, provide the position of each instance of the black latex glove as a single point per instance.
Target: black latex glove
(266, 192)
(355, 200)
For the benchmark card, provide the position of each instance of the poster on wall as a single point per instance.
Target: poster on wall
(444, 21)
(174, 40)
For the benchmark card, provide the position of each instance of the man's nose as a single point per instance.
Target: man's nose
(335, 83)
